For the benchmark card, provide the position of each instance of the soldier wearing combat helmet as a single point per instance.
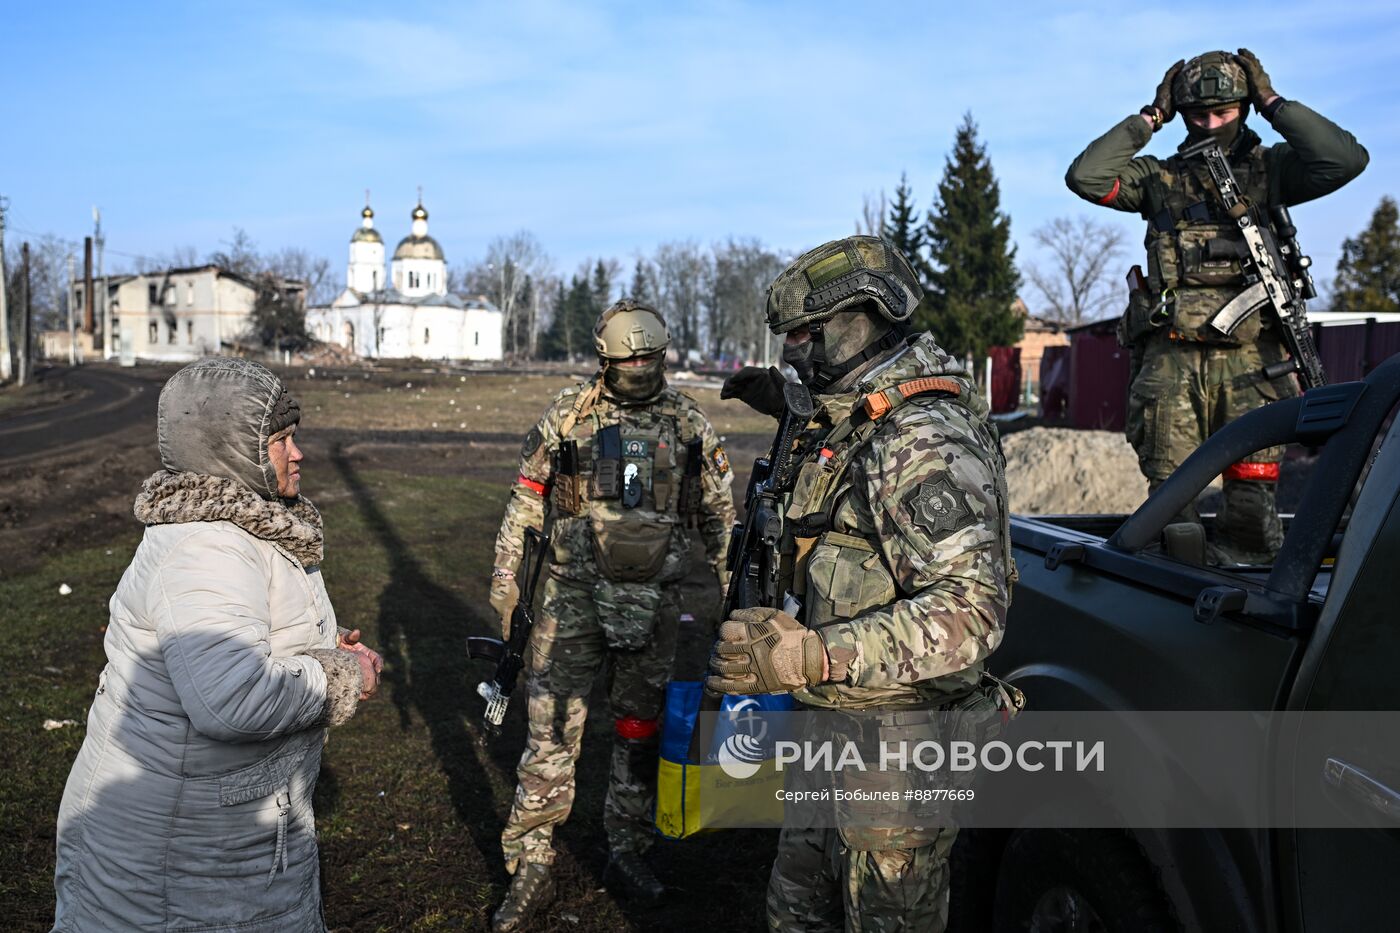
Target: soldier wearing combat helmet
(1189, 379)
(899, 569)
(627, 465)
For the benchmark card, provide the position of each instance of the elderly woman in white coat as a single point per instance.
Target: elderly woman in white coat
(189, 805)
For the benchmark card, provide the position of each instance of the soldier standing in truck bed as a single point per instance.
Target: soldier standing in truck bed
(1189, 380)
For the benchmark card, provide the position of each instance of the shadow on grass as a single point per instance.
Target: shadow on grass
(431, 673)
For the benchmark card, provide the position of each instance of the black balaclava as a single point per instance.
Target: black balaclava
(841, 345)
(635, 383)
(1225, 135)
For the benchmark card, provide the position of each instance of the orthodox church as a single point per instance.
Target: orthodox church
(411, 313)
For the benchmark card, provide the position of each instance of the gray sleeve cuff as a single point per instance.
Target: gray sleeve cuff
(344, 682)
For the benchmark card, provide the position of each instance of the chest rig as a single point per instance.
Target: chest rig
(831, 561)
(633, 473)
(1194, 249)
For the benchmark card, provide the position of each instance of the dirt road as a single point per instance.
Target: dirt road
(111, 400)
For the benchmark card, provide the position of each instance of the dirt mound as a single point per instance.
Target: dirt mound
(1059, 471)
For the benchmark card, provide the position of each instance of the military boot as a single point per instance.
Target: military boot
(531, 889)
(629, 875)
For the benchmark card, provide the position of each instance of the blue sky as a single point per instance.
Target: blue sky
(606, 129)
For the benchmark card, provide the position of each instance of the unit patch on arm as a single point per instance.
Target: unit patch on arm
(720, 460)
(939, 507)
(532, 442)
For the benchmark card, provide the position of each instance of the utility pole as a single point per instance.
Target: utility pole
(26, 307)
(5, 371)
(89, 303)
(72, 328)
(105, 311)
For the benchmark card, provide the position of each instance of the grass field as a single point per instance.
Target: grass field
(411, 801)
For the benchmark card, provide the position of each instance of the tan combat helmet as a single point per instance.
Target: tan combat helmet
(629, 329)
(1210, 80)
(839, 275)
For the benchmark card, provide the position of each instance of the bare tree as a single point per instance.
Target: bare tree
(681, 273)
(1077, 284)
(742, 270)
(510, 263)
(873, 211)
(298, 265)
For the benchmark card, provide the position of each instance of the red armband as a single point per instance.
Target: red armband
(630, 727)
(1108, 198)
(1259, 472)
(540, 489)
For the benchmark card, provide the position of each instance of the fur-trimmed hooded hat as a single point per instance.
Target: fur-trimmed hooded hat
(216, 416)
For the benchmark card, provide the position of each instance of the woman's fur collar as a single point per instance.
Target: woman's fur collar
(168, 497)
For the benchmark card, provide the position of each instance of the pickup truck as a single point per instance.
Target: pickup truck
(1105, 618)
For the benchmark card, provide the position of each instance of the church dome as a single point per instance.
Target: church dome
(418, 247)
(366, 233)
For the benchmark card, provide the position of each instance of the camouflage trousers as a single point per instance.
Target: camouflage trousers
(569, 648)
(1181, 394)
(820, 883)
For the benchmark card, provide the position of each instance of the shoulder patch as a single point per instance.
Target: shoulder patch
(531, 443)
(720, 460)
(939, 507)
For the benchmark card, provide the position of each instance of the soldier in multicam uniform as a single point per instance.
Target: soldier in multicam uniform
(627, 464)
(1190, 380)
(897, 544)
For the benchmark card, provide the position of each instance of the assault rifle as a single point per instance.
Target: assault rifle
(753, 544)
(1275, 269)
(509, 655)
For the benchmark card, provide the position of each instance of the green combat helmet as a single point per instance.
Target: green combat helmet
(1210, 80)
(861, 275)
(629, 328)
(839, 274)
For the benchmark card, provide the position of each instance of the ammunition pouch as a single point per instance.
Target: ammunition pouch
(1138, 320)
(692, 490)
(607, 463)
(567, 494)
(630, 550)
(844, 577)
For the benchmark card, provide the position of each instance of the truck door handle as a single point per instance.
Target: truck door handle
(1363, 787)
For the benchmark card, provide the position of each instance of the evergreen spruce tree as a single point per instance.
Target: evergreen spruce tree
(902, 227)
(971, 276)
(643, 284)
(1368, 274)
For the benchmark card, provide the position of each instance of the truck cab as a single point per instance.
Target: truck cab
(1111, 614)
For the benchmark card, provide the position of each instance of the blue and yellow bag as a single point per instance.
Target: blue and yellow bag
(698, 796)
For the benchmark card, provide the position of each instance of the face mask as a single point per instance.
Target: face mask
(853, 337)
(1223, 135)
(635, 383)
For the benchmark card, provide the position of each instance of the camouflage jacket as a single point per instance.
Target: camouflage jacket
(657, 442)
(1316, 158)
(910, 581)
(1187, 226)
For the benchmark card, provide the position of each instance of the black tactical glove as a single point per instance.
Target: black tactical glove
(1260, 90)
(1161, 110)
(761, 389)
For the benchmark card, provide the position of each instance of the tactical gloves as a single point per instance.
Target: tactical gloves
(505, 593)
(1260, 90)
(761, 389)
(766, 651)
(1161, 110)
